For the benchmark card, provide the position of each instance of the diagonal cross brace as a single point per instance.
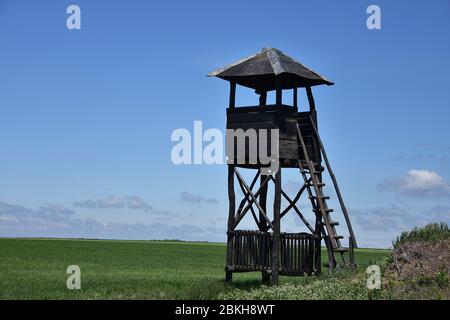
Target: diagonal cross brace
(253, 200)
(246, 198)
(297, 197)
(292, 205)
(256, 195)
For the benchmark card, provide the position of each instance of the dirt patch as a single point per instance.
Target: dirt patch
(420, 270)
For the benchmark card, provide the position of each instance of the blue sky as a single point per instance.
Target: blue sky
(86, 115)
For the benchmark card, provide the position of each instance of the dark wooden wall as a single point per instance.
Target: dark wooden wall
(284, 118)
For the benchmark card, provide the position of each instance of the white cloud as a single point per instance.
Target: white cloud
(111, 202)
(135, 202)
(415, 183)
(86, 204)
(189, 197)
(130, 202)
(55, 221)
(57, 209)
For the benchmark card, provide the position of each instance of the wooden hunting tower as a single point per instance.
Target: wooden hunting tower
(267, 249)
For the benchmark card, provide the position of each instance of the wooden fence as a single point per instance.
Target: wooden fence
(252, 251)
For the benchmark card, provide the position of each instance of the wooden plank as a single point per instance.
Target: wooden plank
(251, 117)
(256, 125)
(283, 109)
(245, 249)
(292, 245)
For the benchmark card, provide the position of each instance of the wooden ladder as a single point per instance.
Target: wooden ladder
(312, 177)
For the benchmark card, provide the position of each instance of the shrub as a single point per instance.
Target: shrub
(432, 232)
(441, 279)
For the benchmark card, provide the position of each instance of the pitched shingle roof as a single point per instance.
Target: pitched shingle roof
(259, 71)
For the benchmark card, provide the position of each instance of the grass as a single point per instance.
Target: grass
(36, 269)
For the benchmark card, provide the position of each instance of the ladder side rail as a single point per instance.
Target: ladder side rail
(319, 194)
(336, 186)
(331, 258)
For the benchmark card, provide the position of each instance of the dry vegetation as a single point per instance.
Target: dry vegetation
(419, 267)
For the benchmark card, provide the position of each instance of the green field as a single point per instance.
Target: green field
(36, 269)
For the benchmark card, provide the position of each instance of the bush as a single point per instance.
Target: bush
(432, 232)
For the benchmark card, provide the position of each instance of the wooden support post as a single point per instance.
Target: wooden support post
(276, 228)
(263, 226)
(230, 233)
(263, 99)
(232, 102)
(294, 98)
(351, 253)
(279, 93)
(331, 259)
(263, 203)
(318, 256)
(312, 104)
(318, 232)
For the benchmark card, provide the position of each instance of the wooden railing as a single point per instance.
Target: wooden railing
(252, 251)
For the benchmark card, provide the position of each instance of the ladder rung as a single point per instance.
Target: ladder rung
(314, 172)
(340, 249)
(326, 210)
(338, 237)
(332, 223)
(321, 184)
(323, 197)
